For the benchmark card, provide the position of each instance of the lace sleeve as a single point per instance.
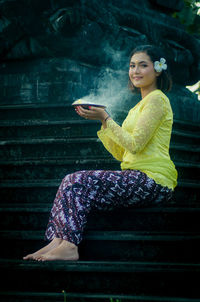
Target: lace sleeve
(106, 136)
(146, 124)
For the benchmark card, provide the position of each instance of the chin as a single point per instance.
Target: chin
(137, 85)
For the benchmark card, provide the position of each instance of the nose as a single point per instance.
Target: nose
(136, 69)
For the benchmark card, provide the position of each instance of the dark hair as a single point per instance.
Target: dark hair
(164, 80)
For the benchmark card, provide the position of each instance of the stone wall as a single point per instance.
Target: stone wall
(57, 51)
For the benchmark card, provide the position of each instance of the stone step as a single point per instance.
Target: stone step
(15, 296)
(187, 137)
(38, 111)
(187, 126)
(64, 112)
(119, 277)
(45, 168)
(71, 128)
(120, 245)
(186, 193)
(49, 129)
(141, 246)
(34, 148)
(167, 218)
(82, 147)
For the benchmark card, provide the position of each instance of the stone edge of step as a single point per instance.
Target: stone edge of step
(169, 236)
(48, 141)
(56, 183)
(65, 105)
(42, 207)
(71, 161)
(97, 296)
(100, 266)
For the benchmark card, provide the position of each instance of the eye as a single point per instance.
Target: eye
(144, 65)
(132, 66)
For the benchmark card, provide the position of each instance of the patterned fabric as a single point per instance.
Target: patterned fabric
(104, 190)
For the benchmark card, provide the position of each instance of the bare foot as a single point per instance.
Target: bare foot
(65, 251)
(52, 245)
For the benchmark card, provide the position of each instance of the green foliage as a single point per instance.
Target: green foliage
(189, 17)
(65, 296)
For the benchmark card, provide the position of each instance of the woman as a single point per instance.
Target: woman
(148, 176)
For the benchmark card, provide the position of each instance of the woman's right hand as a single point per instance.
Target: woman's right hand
(93, 113)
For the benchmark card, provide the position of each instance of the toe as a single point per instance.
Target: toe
(41, 258)
(28, 257)
(37, 257)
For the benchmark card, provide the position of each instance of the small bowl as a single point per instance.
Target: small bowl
(86, 105)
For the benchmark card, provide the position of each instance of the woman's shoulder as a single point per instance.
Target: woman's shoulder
(157, 93)
(157, 96)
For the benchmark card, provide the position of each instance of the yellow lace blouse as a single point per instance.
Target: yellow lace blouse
(142, 143)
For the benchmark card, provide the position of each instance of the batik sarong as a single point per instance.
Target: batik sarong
(82, 191)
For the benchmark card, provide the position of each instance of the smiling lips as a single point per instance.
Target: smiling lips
(137, 78)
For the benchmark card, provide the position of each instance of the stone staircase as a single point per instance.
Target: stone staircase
(144, 254)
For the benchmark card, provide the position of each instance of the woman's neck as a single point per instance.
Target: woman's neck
(146, 91)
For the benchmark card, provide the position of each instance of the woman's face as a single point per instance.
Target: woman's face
(141, 71)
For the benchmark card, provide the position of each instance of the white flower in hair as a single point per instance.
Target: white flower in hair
(160, 65)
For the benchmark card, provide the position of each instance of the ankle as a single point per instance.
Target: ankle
(69, 245)
(57, 240)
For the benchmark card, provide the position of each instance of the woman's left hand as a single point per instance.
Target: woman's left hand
(93, 113)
